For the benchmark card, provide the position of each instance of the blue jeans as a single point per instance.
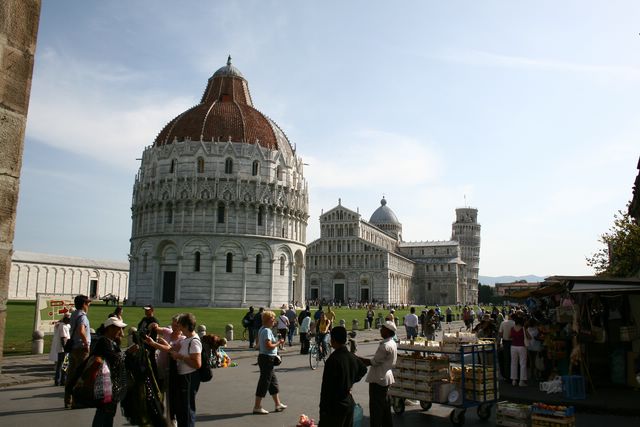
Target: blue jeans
(188, 386)
(290, 334)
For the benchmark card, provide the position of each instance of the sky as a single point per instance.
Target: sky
(527, 111)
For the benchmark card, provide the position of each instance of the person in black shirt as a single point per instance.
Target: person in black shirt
(147, 326)
(342, 369)
(247, 322)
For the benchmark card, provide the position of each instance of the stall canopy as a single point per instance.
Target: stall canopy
(595, 284)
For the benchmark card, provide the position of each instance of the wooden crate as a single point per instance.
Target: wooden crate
(506, 421)
(549, 421)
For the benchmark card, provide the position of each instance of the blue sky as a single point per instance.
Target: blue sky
(528, 109)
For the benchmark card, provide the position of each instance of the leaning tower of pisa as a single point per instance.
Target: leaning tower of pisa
(466, 231)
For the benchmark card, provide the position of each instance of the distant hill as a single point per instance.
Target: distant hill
(491, 280)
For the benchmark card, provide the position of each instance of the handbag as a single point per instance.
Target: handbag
(84, 390)
(277, 360)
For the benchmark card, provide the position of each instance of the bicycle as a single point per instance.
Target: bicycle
(316, 355)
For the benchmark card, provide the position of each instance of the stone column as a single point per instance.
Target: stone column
(18, 32)
(212, 299)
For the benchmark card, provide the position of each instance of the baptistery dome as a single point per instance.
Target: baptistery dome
(225, 112)
(220, 207)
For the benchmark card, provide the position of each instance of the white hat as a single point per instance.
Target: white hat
(114, 321)
(390, 326)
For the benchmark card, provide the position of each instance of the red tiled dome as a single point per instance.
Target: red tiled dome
(225, 112)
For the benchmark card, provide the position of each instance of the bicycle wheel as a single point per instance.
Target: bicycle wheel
(314, 357)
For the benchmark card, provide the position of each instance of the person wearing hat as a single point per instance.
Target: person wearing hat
(380, 376)
(81, 340)
(147, 327)
(108, 347)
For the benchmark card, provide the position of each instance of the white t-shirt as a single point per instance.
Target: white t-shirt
(505, 329)
(283, 322)
(188, 346)
(61, 330)
(411, 320)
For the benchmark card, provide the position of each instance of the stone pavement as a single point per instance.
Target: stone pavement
(619, 400)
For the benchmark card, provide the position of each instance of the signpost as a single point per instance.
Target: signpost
(50, 308)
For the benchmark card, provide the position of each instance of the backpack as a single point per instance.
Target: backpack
(204, 371)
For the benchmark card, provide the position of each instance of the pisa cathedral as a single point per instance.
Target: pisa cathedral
(220, 207)
(359, 260)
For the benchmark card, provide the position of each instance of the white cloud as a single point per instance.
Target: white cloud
(96, 113)
(490, 59)
(372, 158)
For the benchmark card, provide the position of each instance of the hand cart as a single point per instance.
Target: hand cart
(461, 376)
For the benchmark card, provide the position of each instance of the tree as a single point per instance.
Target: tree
(621, 255)
(486, 295)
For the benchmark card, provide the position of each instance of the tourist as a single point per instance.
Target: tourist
(534, 348)
(283, 327)
(168, 339)
(305, 327)
(247, 322)
(324, 327)
(145, 328)
(411, 324)
(504, 336)
(257, 324)
(108, 347)
(189, 360)
(518, 353)
(429, 325)
(61, 333)
(81, 341)
(370, 316)
(117, 313)
(293, 323)
(268, 346)
(380, 377)
(342, 369)
(449, 315)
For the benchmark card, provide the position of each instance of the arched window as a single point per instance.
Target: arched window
(260, 215)
(256, 168)
(282, 261)
(174, 166)
(279, 173)
(258, 264)
(196, 263)
(229, 262)
(200, 165)
(221, 214)
(144, 262)
(228, 165)
(169, 213)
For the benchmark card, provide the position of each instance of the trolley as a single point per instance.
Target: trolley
(457, 375)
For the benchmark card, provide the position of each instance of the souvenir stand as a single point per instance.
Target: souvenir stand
(460, 372)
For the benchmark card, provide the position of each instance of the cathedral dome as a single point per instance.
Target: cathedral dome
(225, 113)
(384, 215)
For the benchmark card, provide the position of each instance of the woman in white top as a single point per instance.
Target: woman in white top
(61, 333)
(168, 339)
(283, 327)
(189, 360)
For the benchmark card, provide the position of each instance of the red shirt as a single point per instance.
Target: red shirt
(517, 337)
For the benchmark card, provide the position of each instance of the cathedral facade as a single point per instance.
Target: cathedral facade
(359, 260)
(220, 207)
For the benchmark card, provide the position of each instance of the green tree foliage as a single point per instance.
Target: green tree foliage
(620, 256)
(487, 294)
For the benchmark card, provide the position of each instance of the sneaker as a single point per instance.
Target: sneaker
(281, 407)
(514, 383)
(523, 383)
(260, 411)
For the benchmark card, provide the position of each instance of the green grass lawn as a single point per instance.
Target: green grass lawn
(20, 316)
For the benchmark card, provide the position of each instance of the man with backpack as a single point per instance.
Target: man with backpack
(79, 344)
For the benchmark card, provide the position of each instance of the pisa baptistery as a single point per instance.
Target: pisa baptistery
(220, 207)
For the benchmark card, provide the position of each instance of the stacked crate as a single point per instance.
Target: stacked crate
(513, 415)
(479, 382)
(552, 416)
(416, 376)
